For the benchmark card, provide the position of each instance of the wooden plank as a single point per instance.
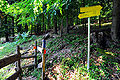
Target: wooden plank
(31, 65)
(26, 57)
(14, 76)
(26, 51)
(8, 60)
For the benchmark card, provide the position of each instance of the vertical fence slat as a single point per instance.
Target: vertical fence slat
(36, 54)
(18, 63)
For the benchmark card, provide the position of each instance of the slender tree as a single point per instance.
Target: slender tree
(55, 24)
(26, 27)
(115, 29)
(13, 26)
(67, 26)
(6, 29)
(48, 21)
(61, 27)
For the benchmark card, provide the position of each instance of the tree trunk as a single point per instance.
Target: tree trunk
(100, 21)
(31, 29)
(84, 20)
(48, 21)
(39, 25)
(13, 33)
(18, 25)
(0, 22)
(13, 26)
(35, 30)
(26, 27)
(61, 27)
(96, 33)
(19, 28)
(6, 30)
(55, 24)
(67, 27)
(43, 23)
(45, 29)
(77, 14)
(115, 29)
(71, 21)
(39, 28)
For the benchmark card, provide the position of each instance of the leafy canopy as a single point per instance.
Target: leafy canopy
(29, 10)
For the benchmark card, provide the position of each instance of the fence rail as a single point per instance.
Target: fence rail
(6, 61)
(17, 58)
(14, 76)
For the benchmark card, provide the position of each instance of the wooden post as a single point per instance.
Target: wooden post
(35, 54)
(43, 59)
(18, 63)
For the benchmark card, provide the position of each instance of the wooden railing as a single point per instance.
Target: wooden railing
(9, 60)
(17, 58)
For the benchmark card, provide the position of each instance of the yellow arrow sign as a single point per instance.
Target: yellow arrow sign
(90, 11)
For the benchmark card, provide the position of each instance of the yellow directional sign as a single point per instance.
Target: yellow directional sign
(90, 11)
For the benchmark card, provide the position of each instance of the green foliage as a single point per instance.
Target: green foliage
(29, 10)
(24, 35)
(37, 73)
(6, 72)
(4, 5)
(10, 47)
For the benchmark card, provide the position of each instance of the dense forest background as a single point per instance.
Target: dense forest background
(41, 16)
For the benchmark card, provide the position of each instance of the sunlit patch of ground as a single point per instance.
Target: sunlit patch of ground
(59, 73)
(1, 48)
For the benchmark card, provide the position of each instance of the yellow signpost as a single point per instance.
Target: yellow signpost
(88, 12)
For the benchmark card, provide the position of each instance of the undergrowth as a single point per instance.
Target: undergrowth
(72, 64)
(9, 47)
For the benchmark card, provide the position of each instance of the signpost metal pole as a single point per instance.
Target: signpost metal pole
(88, 63)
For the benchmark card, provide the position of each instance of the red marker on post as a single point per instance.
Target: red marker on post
(44, 51)
(34, 47)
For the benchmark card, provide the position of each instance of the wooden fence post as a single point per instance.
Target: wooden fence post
(18, 63)
(43, 59)
(35, 54)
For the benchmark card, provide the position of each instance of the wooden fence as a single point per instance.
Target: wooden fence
(17, 58)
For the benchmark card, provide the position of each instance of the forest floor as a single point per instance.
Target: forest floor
(66, 59)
